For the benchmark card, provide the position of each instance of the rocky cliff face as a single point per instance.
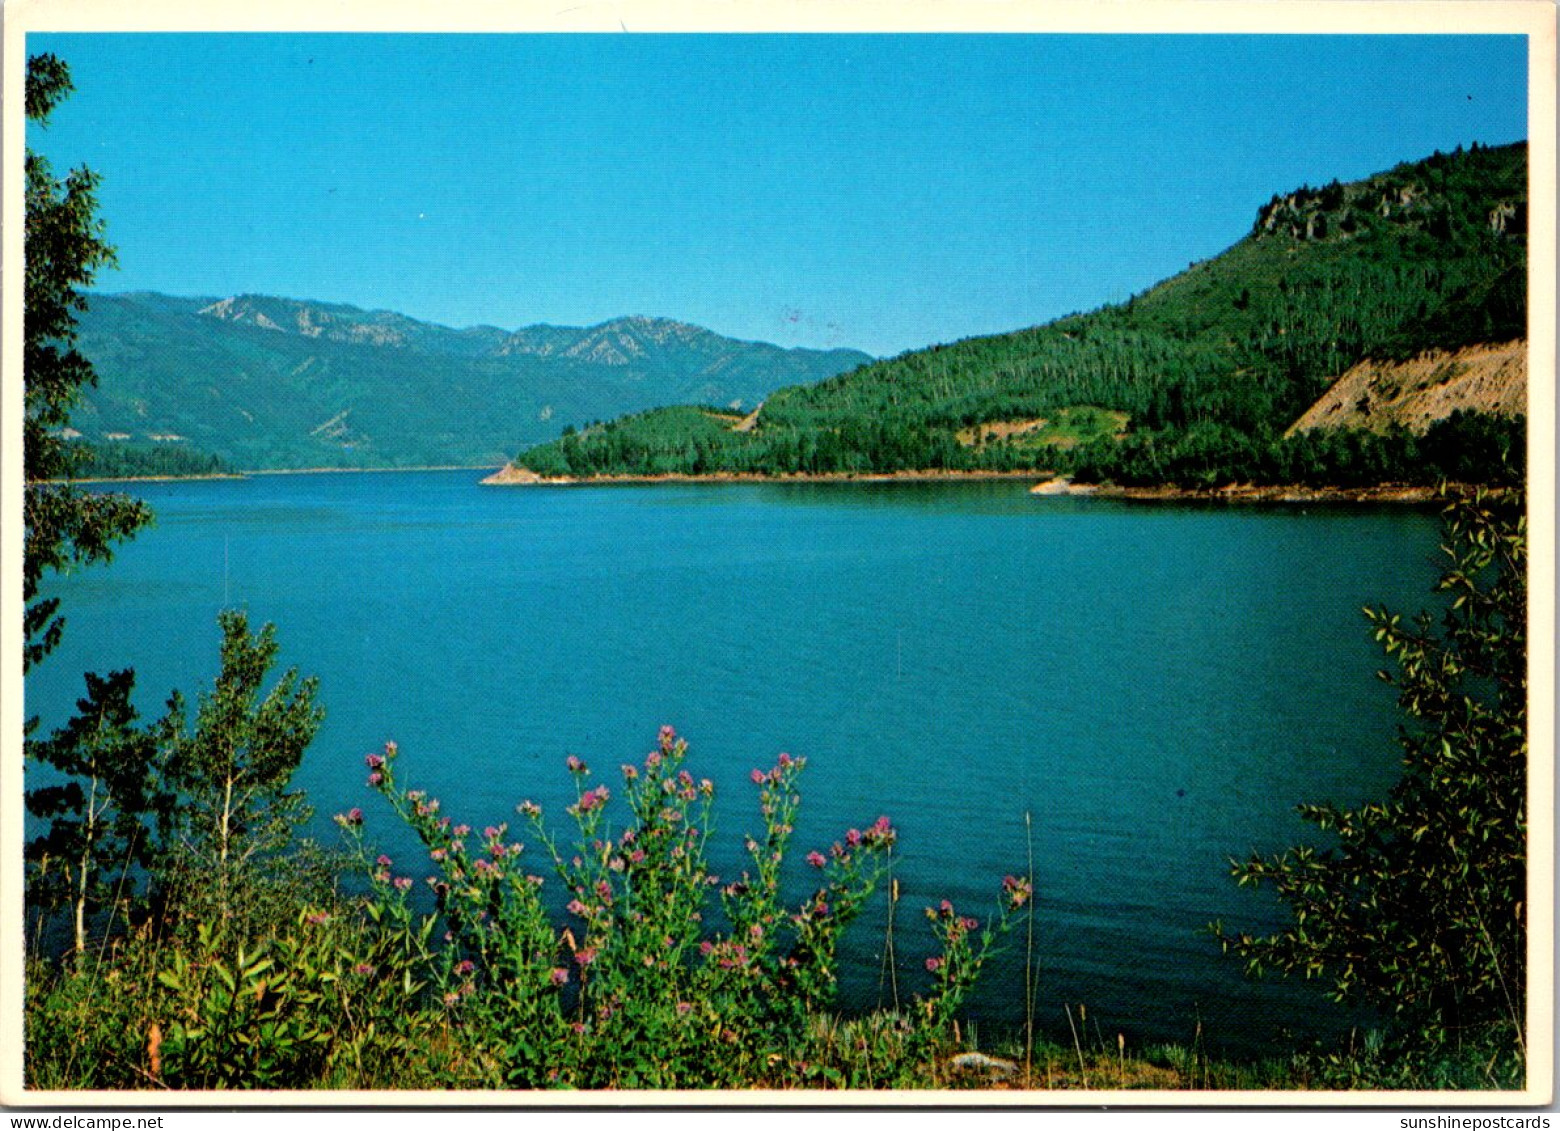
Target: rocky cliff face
(1418, 392)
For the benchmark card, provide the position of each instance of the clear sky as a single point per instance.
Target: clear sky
(883, 192)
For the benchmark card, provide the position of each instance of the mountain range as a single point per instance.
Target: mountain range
(276, 383)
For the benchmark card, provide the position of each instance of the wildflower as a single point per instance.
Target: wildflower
(969, 923)
(706, 787)
(668, 736)
(575, 907)
(816, 859)
(529, 809)
(363, 968)
(1018, 891)
(576, 766)
(535, 881)
(403, 883)
(684, 1008)
(652, 760)
(637, 856)
(629, 772)
(451, 998)
(853, 837)
(415, 795)
(755, 932)
(579, 1028)
(705, 947)
(615, 864)
(465, 966)
(391, 749)
(376, 778)
(934, 964)
(785, 759)
(436, 854)
(317, 918)
(585, 955)
(491, 833)
(351, 819)
(383, 861)
(560, 976)
(460, 830)
(374, 761)
(757, 777)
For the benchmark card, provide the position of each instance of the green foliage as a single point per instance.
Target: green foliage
(1420, 908)
(233, 769)
(63, 247)
(1209, 367)
(146, 461)
(107, 811)
(638, 991)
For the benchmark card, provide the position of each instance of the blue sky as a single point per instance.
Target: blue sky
(883, 192)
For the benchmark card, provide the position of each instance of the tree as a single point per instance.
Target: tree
(233, 769)
(63, 248)
(1420, 908)
(108, 816)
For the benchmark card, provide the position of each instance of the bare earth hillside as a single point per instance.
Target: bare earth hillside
(1418, 392)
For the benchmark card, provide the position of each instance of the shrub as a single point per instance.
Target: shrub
(1420, 910)
(641, 989)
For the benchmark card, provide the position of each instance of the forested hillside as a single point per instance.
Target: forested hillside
(1194, 380)
(262, 382)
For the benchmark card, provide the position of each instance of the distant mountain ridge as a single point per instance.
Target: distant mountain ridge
(267, 382)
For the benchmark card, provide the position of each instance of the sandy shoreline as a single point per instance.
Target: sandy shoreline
(276, 471)
(1044, 485)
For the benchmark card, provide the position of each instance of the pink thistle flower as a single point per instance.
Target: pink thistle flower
(667, 737)
(757, 777)
(1018, 891)
(460, 830)
(629, 772)
(575, 907)
(383, 861)
(415, 795)
(465, 966)
(376, 778)
(318, 918)
(816, 859)
(363, 968)
(535, 881)
(436, 854)
(684, 1008)
(575, 765)
(652, 760)
(403, 883)
(637, 856)
(529, 809)
(374, 761)
(853, 837)
(705, 947)
(585, 956)
(560, 976)
(785, 759)
(706, 787)
(934, 964)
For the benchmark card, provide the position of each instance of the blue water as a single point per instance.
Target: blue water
(1155, 686)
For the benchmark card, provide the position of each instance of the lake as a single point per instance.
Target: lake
(1155, 686)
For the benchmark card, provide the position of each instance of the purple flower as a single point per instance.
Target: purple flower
(376, 778)
(757, 777)
(374, 761)
(853, 837)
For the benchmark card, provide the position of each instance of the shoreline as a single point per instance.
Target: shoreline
(1045, 484)
(272, 471)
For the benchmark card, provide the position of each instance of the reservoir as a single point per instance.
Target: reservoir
(1130, 694)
